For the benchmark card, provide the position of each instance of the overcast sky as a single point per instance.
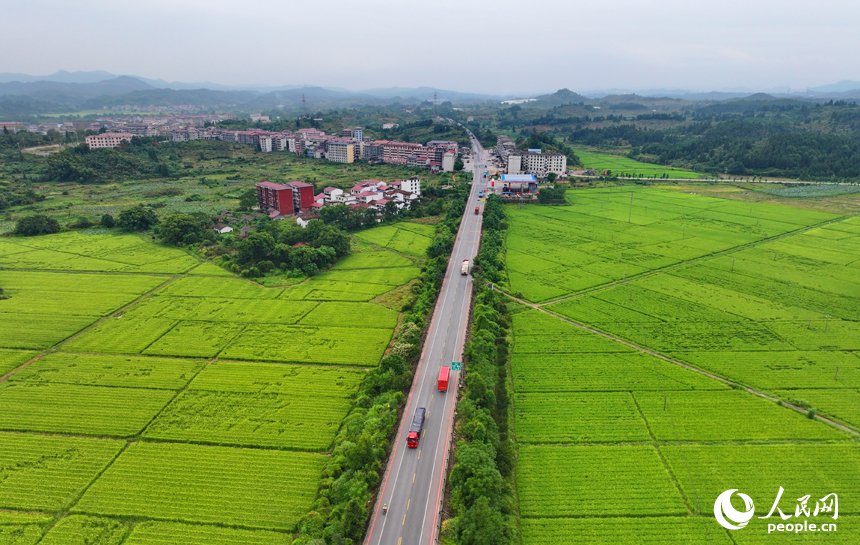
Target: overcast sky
(497, 47)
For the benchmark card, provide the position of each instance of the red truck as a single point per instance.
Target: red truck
(444, 372)
(477, 210)
(416, 428)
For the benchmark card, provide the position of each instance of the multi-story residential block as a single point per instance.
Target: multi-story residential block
(448, 160)
(373, 152)
(277, 197)
(399, 152)
(411, 185)
(107, 140)
(11, 126)
(504, 146)
(340, 151)
(303, 195)
(358, 133)
(539, 164)
(265, 143)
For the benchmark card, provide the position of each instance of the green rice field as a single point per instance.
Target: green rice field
(618, 444)
(152, 398)
(630, 168)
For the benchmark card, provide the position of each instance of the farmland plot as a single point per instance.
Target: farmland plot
(621, 228)
(211, 309)
(778, 316)
(270, 420)
(556, 481)
(105, 370)
(615, 530)
(84, 410)
(85, 530)
(10, 359)
(323, 345)
(46, 473)
(39, 331)
(372, 260)
(578, 418)
(729, 415)
(290, 380)
(225, 443)
(169, 533)
(194, 339)
(193, 483)
(800, 469)
(406, 238)
(121, 335)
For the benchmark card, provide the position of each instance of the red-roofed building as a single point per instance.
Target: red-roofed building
(275, 198)
(303, 195)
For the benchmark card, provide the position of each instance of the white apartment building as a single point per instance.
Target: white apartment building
(539, 164)
(107, 140)
(411, 185)
(448, 160)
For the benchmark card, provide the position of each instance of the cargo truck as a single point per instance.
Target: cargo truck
(416, 428)
(444, 372)
(464, 269)
(477, 210)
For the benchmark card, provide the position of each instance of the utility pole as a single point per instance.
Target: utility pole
(435, 113)
(304, 106)
(630, 214)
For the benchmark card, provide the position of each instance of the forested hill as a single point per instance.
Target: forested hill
(755, 136)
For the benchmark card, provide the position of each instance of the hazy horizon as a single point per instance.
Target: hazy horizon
(496, 48)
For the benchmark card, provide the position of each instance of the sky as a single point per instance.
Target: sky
(499, 47)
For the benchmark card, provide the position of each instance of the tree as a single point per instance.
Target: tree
(248, 199)
(137, 218)
(458, 164)
(107, 221)
(551, 177)
(37, 225)
(482, 525)
(256, 247)
(390, 210)
(184, 228)
(354, 518)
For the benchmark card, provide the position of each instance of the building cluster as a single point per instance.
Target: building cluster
(532, 161)
(349, 146)
(281, 200)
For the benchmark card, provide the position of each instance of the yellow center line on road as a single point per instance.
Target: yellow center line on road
(404, 521)
(419, 454)
(408, 502)
(399, 540)
(413, 477)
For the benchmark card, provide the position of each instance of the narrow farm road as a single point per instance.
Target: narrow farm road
(414, 479)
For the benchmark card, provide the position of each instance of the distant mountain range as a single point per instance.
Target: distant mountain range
(99, 76)
(23, 94)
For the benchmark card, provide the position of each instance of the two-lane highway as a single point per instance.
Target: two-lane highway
(412, 486)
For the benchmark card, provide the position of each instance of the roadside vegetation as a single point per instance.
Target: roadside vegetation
(480, 485)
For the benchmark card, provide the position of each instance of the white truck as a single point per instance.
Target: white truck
(464, 269)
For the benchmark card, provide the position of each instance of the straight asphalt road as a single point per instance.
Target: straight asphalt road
(414, 480)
